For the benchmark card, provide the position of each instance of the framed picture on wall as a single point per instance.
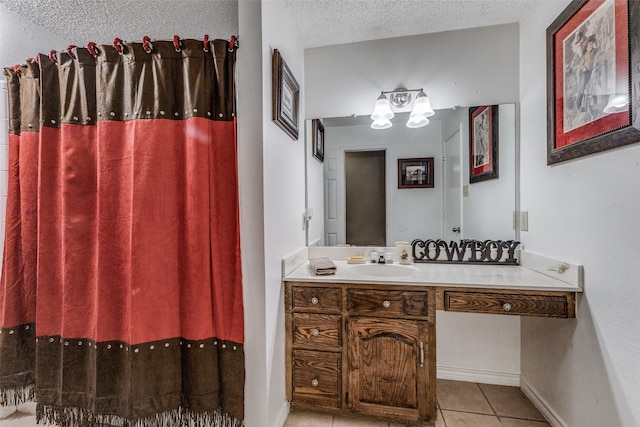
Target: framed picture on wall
(483, 143)
(593, 78)
(317, 141)
(415, 173)
(286, 93)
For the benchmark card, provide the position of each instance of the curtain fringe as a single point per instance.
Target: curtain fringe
(180, 417)
(17, 396)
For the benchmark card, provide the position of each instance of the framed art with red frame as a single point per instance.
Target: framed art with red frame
(483, 143)
(592, 78)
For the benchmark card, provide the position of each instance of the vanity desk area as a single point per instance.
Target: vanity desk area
(362, 341)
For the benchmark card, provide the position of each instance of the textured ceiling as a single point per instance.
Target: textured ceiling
(81, 21)
(329, 22)
(319, 22)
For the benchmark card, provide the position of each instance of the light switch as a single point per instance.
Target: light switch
(524, 221)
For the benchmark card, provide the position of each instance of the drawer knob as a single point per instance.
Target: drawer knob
(315, 382)
(315, 300)
(506, 306)
(316, 332)
(386, 304)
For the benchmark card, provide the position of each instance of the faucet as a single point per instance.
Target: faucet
(381, 259)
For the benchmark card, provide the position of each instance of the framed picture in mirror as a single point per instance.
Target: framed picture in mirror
(286, 94)
(317, 140)
(593, 78)
(415, 173)
(483, 143)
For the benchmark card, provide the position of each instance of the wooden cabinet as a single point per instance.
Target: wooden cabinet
(520, 303)
(356, 349)
(370, 349)
(388, 367)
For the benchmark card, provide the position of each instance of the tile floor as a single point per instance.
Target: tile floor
(460, 404)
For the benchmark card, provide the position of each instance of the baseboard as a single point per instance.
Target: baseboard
(284, 414)
(552, 417)
(478, 376)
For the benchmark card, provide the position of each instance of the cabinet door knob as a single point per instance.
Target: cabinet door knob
(506, 306)
(386, 304)
(314, 300)
(316, 332)
(315, 382)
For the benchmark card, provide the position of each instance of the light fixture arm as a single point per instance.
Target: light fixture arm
(400, 90)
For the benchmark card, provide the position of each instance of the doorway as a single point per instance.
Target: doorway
(365, 195)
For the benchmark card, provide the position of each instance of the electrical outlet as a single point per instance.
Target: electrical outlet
(524, 221)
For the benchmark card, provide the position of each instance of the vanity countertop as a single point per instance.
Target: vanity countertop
(450, 275)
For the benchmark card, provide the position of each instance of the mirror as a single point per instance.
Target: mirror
(452, 209)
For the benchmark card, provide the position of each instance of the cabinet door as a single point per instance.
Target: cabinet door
(389, 368)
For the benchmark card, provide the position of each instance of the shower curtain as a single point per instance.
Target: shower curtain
(121, 294)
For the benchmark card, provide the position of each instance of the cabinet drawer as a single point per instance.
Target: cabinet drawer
(401, 303)
(316, 378)
(515, 304)
(310, 329)
(316, 298)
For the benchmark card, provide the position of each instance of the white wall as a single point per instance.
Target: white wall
(252, 225)
(284, 197)
(20, 39)
(584, 211)
(456, 68)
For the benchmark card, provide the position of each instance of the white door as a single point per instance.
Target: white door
(452, 172)
(334, 202)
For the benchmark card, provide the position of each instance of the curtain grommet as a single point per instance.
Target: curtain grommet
(91, 47)
(118, 45)
(205, 43)
(69, 51)
(146, 44)
(177, 45)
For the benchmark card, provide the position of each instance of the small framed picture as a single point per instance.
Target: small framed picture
(317, 141)
(593, 52)
(483, 143)
(286, 94)
(415, 173)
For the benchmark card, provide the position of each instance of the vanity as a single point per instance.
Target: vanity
(363, 341)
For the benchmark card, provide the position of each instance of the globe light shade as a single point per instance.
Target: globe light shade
(382, 110)
(417, 121)
(381, 124)
(422, 105)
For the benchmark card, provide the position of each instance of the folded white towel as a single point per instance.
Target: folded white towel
(322, 266)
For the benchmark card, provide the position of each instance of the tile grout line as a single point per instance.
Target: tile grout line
(495, 413)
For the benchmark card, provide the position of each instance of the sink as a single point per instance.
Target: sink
(382, 270)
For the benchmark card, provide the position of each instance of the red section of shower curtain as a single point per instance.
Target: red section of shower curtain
(145, 226)
(121, 291)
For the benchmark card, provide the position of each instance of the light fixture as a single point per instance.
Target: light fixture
(401, 99)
